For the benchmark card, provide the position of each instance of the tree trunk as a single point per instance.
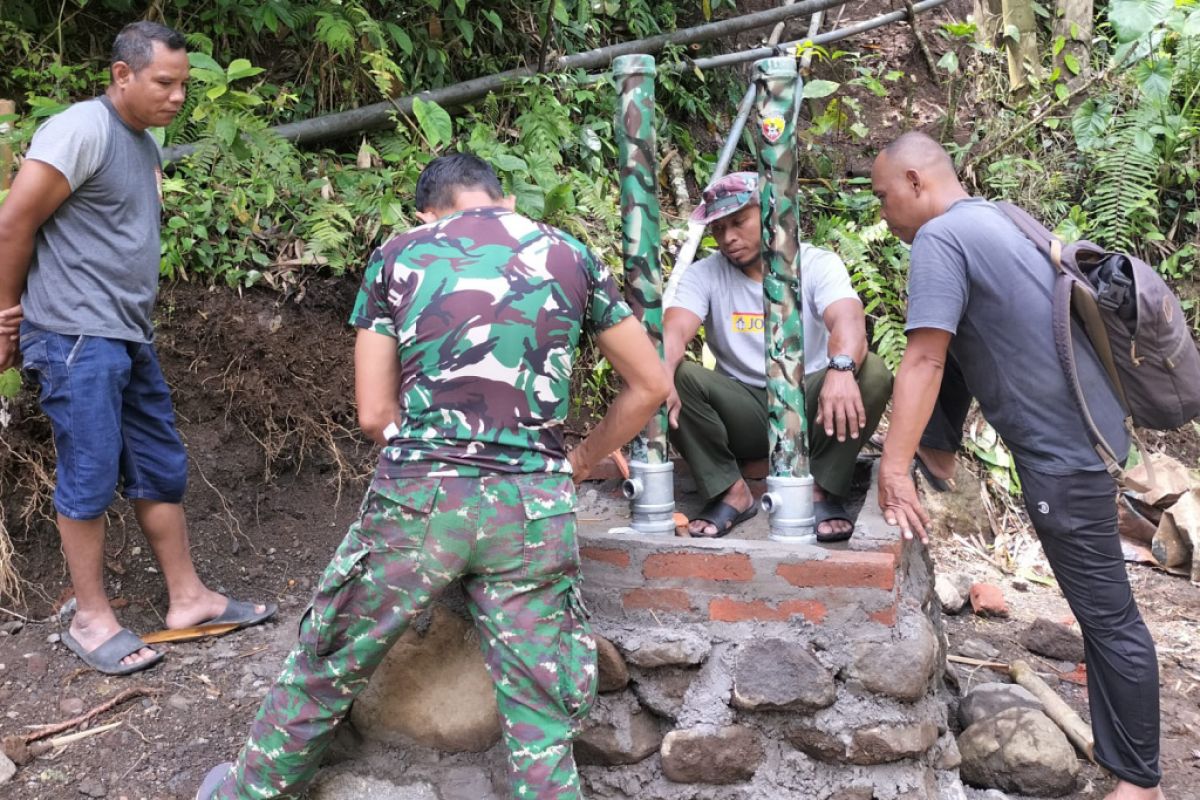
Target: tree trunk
(1023, 57)
(1073, 21)
(989, 18)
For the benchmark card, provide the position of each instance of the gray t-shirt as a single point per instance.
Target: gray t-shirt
(731, 306)
(974, 274)
(95, 263)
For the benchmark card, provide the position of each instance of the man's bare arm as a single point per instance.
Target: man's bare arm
(376, 383)
(37, 192)
(680, 326)
(39, 189)
(913, 399)
(847, 326)
(629, 349)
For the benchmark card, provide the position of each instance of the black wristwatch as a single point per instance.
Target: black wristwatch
(843, 363)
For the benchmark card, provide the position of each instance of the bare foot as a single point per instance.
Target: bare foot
(940, 462)
(94, 629)
(830, 526)
(738, 496)
(184, 613)
(1127, 791)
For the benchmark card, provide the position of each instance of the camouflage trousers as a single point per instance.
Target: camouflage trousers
(512, 539)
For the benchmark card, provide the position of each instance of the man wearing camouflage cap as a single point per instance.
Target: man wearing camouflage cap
(720, 417)
(468, 328)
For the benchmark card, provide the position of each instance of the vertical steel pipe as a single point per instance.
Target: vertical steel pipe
(650, 486)
(789, 485)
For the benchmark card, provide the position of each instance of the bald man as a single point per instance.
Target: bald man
(979, 312)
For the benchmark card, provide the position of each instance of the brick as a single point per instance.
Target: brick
(850, 570)
(706, 567)
(607, 555)
(657, 600)
(885, 617)
(726, 609)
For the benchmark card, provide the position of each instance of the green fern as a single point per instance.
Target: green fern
(1123, 208)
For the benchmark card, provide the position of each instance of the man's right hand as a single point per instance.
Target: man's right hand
(10, 336)
(900, 504)
(674, 404)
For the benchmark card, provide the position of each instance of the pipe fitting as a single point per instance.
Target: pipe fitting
(789, 502)
(651, 487)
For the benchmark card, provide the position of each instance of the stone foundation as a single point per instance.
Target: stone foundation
(730, 670)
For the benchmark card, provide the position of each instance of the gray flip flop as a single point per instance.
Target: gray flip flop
(107, 657)
(214, 778)
(241, 614)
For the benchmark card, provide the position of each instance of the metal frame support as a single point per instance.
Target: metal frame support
(650, 487)
(789, 496)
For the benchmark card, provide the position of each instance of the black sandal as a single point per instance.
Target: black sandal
(723, 517)
(828, 510)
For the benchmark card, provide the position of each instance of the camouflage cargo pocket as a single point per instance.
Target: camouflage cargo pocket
(577, 669)
(396, 517)
(550, 543)
(324, 624)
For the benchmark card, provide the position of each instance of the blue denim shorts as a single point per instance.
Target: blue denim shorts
(110, 409)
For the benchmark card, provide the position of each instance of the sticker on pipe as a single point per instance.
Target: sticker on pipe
(772, 128)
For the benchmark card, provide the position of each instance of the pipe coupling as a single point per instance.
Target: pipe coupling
(789, 502)
(651, 488)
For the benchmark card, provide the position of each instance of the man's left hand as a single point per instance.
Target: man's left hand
(840, 408)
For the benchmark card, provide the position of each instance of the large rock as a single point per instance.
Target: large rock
(1018, 750)
(1053, 640)
(722, 755)
(783, 675)
(348, 786)
(614, 675)
(881, 743)
(900, 668)
(618, 731)
(664, 647)
(465, 783)
(989, 699)
(432, 688)
(662, 690)
(887, 742)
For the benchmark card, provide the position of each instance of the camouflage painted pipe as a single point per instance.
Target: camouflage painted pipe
(789, 497)
(640, 224)
(650, 487)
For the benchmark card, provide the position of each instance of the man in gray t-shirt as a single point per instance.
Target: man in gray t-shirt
(79, 260)
(980, 323)
(720, 417)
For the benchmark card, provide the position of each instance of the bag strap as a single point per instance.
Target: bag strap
(1070, 296)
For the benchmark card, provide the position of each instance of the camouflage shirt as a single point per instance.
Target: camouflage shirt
(486, 308)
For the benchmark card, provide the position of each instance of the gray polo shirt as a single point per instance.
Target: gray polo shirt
(95, 263)
(975, 275)
(731, 306)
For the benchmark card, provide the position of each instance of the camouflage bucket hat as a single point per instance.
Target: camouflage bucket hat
(726, 196)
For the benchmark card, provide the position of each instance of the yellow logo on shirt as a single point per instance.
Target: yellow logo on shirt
(745, 322)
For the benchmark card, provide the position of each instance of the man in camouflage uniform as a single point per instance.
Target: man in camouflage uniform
(468, 327)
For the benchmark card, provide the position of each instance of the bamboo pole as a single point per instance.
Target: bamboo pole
(1056, 708)
(989, 22)
(1073, 22)
(6, 155)
(1023, 57)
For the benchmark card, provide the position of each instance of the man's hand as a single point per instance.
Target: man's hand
(579, 470)
(674, 404)
(900, 505)
(840, 406)
(10, 336)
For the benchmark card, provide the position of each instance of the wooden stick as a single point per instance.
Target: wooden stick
(58, 727)
(975, 662)
(1056, 708)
